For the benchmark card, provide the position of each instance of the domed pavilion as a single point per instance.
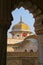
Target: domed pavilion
(20, 30)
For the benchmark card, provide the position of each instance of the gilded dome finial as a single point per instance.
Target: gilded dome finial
(20, 18)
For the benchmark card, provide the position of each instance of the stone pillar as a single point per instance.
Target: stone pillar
(40, 39)
(39, 32)
(5, 19)
(3, 43)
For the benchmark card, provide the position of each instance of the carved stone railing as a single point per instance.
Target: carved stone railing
(22, 54)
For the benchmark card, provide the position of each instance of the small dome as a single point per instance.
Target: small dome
(21, 26)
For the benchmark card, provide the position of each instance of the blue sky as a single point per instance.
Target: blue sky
(27, 18)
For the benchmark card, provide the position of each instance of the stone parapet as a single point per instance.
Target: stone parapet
(22, 54)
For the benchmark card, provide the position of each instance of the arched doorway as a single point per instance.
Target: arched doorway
(33, 9)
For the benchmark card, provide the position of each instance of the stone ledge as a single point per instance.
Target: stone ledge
(22, 54)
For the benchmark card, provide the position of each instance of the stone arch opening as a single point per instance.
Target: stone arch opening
(25, 50)
(31, 51)
(36, 11)
(33, 9)
(25, 14)
(23, 21)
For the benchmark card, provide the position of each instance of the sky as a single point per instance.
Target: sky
(27, 18)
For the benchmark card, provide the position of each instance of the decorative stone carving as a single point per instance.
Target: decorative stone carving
(38, 24)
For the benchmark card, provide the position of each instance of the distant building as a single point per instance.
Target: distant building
(23, 46)
(22, 39)
(20, 30)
